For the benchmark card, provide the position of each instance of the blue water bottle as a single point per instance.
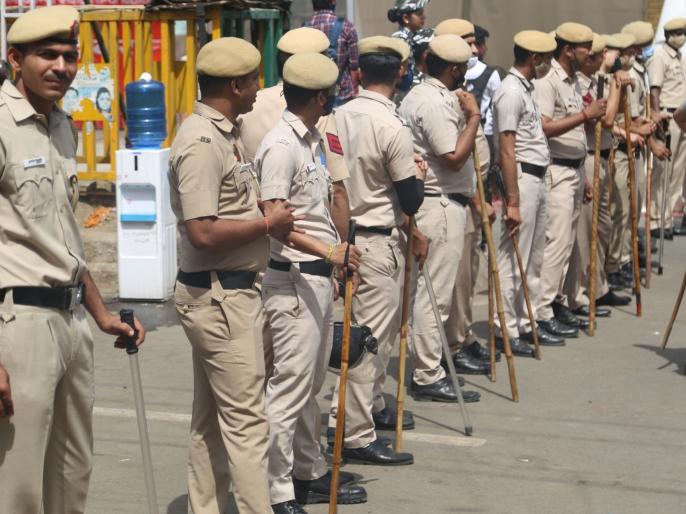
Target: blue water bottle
(145, 113)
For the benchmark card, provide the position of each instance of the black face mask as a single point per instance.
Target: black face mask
(328, 106)
(616, 66)
(458, 83)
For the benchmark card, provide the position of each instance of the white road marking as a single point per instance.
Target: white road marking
(419, 437)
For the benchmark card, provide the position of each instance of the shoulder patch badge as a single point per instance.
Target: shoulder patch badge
(334, 143)
(205, 139)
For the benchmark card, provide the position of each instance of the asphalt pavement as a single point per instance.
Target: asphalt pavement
(600, 426)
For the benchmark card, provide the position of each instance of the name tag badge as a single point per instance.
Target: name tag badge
(35, 162)
(311, 168)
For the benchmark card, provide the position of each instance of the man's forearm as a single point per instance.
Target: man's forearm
(340, 209)
(93, 301)
(554, 128)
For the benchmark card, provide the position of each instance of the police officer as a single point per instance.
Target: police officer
(224, 246)
(667, 92)
(443, 133)
(46, 346)
(564, 116)
(298, 287)
(601, 62)
(384, 185)
(271, 103)
(524, 156)
(410, 17)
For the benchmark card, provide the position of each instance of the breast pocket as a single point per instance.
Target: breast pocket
(71, 184)
(312, 184)
(34, 196)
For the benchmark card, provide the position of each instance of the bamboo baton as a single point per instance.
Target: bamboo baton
(633, 199)
(596, 217)
(345, 352)
(522, 272)
(649, 193)
(677, 305)
(666, 179)
(491, 328)
(493, 265)
(404, 332)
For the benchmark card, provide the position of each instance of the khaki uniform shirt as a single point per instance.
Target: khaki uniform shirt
(383, 155)
(666, 71)
(436, 122)
(40, 241)
(291, 166)
(267, 112)
(557, 98)
(639, 94)
(209, 177)
(587, 87)
(514, 110)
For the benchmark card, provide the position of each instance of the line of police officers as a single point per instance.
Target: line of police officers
(263, 185)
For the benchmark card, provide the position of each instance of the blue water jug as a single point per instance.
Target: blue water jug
(145, 113)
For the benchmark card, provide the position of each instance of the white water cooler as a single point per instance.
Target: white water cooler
(146, 226)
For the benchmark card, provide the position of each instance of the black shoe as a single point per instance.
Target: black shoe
(460, 379)
(616, 281)
(479, 351)
(679, 228)
(385, 419)
(556, 328)
(614, 300)
(441, 391)
(289, 507)
(348, 478)
(317, 491)
(518, 347)
(544, 338)
(669, 234)
(378, 454)
(564, 315)
(468, 365)
(585, 311)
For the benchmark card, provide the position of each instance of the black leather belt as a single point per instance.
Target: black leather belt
(228, 279)
(320, 267)
(62, 298)
(455, 197)
(533, 169)
(605, 154)
(568, 163)
(375, 230)
(671, 110)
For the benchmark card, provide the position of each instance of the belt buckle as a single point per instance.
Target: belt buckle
(75, 296)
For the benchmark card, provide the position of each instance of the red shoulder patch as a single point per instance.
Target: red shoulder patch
(334, 143)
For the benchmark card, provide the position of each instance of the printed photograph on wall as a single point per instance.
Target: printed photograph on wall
(90, 96)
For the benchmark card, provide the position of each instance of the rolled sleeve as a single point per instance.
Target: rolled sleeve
(508, 108)
(544, 96)
(277, 169)
(199, 170)
(440, 125)
(400, 156)
(656, 71)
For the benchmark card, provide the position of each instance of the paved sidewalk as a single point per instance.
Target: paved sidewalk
(600, 428)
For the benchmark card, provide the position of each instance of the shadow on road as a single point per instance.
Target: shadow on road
(676, 356)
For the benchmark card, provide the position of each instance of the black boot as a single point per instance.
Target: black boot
(556, 328)
(317, 491)
(465, 363)
(289, 507)
(564, 315)
(544, 338)
(613, 300)
(385, 419)
(441, 391)
(479, 351)
(518, 347)
(377, 454)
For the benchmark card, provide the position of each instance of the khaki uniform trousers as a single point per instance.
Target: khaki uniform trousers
(46, 448)
(459, 324)
(229, 429)
(577, 280)
(377, 304)
(531, 238)
(299, 314)
(443, 221)
(565, 190)
(675, 170)
(620, 250)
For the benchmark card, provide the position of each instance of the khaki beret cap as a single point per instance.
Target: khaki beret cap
(457, 26)
(535, 41)
(599, 43)
(641, 30)
(620, 41)
(450, 48)
(574, 33)
(676, 24)
(303, 39)
(59, 21)
(310, 70)
(384, 45)
(228, 57)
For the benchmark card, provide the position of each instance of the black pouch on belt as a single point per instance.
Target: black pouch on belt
(361, 341)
